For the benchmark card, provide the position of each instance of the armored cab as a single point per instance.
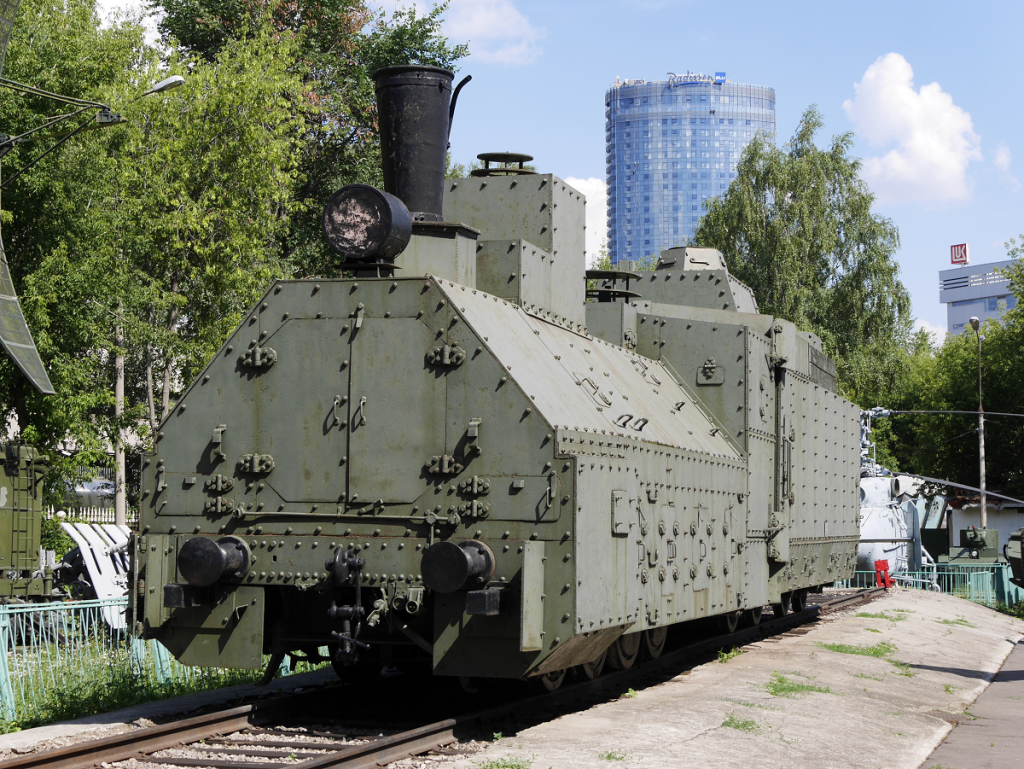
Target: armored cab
(447, 468)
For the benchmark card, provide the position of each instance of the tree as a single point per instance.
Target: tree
(150, 239)
(339, 44)
(49, 215)
(946, 378)
(796, 226)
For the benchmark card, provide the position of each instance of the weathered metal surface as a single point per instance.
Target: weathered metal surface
(540, 209)
(442, 249)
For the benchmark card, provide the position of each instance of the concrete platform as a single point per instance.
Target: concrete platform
(793, 702)
(992, 736)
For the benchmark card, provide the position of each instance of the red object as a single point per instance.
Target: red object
(882, 574)
(960, 254)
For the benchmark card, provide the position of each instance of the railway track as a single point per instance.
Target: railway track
(237, 738)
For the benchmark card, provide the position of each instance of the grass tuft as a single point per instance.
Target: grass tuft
(880, 650)
(505, 763)
(1017, 610)
(629, 695)
(865, 675)
(780, 686)
(961, 621)
(880, 615)
(725, 656)
(613, 755)
(740, 724)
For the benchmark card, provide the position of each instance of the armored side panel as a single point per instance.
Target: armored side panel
(614, 322)
(526, 275)
(773, 389)
(678, 278)
(540, 209)
(21, 478)
(444, 249)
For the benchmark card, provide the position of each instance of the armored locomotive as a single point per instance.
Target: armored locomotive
(454, 459)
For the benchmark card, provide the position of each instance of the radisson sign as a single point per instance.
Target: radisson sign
(690, 78)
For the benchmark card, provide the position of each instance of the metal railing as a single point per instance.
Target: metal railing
(62, 660)
(94, 515)
(987, 583)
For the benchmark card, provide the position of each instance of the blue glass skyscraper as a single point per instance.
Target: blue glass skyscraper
(672, 144)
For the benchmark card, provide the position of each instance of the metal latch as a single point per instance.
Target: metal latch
(259, 357)
(444, 465)
(219, 505)
(710, 373)
(255, 463)
(475, 509)
(475, 486)
(446, 355)
(473, 435)
(219, 483)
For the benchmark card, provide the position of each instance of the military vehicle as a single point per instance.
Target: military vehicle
(452, 459)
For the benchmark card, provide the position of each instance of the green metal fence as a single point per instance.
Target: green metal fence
(987, 583)
(62, 660)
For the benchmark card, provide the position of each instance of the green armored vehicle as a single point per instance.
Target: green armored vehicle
(452, 459)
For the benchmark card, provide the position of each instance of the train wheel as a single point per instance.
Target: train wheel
(799, 601)
(548, 682)
(591, 670)
(753, 616)
(654, 640)
(784, 608)
(728, 623)
(623, 653)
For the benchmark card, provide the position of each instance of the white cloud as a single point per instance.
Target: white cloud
(1002, 161)
(110, 11)
(497, 31)
(937, 333)
(934, 138)
(596, 193)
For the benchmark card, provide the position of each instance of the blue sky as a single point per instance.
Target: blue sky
(932, 90)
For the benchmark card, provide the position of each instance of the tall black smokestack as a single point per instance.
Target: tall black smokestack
(414, 113)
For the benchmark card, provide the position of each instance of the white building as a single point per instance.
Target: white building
(974, 291)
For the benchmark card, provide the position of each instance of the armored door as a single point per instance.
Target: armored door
(396, 412)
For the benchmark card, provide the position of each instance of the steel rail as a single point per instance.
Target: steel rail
(142, 743)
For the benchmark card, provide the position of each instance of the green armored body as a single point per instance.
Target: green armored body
(469, 467)
(24, 571)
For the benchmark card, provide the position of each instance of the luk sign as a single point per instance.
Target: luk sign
(960, 254)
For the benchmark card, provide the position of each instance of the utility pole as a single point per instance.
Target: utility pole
(981, 432)
(119, 482)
